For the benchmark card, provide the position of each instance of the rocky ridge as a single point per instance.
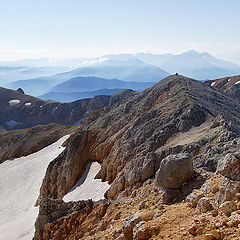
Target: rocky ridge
(127, 139)
(18, 110)
(230, 85)
(177, 119)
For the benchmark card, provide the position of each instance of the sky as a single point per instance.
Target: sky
(87, 28)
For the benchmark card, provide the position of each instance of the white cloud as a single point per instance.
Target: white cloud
(93, 61)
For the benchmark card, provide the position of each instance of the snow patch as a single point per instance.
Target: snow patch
(12, 123)
(212, 84)
(41, 106)
(229, 79)
(20, 182)
(87, 187)
(237, 82)
(13, 102)
(92, 61)
(28, 104)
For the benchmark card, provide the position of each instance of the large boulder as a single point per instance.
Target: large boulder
(174, 170)
(229, 166)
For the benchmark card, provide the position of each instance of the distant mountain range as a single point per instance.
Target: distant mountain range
(140, 67)
(132, 70)
(127, 70)
(73, 96)
(35, 86)
(201, 66)
(87, 87)
(83, 84)
(12, 73)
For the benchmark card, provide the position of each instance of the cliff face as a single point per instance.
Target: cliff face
(179, 123)
(18, 110)
(230, 85)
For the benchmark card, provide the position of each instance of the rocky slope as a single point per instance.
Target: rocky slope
(18, 110)
(18, 143)
(195, 214)
(179, 122)
(230, 85)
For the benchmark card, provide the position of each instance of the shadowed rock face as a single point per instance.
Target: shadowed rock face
(18, 110)
(129, 139)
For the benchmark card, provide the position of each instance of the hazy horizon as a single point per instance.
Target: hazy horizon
(61, 57)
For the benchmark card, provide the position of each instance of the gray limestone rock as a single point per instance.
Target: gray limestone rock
(204, 205)
(174, 170)
(229, 166)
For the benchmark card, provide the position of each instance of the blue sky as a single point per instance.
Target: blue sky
(67, 28)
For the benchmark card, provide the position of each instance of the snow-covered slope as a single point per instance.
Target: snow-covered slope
(87, 187)
(20, 181)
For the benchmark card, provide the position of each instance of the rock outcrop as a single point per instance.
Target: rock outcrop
(20, 90)
(229, 166)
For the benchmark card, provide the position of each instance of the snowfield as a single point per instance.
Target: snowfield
(14, 102)
(28, 104)
(20, 181)
(87, 187)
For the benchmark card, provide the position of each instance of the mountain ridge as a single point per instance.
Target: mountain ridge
(201, 66)
(128, 71)
(189, 110)
(161, 149)
(19, 110)
(229, 85)
(74, 96)
(92, 83)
